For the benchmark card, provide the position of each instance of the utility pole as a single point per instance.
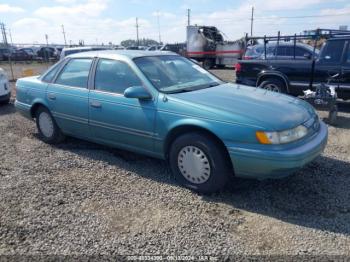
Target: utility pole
(3, 31)
(251, 22)
(10, 36)
(137, 31)
(4, 37)
(160, 40)
(47, 39)
(64, 35)
(188, 17)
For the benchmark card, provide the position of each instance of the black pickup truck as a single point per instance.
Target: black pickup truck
(292, 76)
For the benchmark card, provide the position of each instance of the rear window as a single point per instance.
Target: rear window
(254, 50)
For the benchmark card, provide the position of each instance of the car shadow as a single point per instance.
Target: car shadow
(317, 197)
(6, 109)
(342, 122)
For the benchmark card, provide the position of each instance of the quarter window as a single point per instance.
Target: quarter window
(49, 76)
(114, 76)
(75, 73)
(332, 51)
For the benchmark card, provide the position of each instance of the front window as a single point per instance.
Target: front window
(114, 76)
(175, 74)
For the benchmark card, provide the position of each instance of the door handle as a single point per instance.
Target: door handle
(95, 104)
(51, 96)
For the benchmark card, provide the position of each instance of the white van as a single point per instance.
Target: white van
(73, 50)
(5, 89)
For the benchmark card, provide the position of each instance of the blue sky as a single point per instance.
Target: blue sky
(97, 21)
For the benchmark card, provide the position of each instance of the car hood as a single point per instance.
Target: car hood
(248, 105)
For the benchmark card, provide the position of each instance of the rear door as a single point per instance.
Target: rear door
(68, 97)
(330, 61)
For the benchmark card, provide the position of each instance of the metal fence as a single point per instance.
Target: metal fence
(18, 69)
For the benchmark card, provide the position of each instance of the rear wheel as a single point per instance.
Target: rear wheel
(199, 163)
(274, 85)
(48, 130)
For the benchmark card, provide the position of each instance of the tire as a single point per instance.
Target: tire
(199, 163)
(274, 84)
(208, 64)
(48, 130)
(5, 102)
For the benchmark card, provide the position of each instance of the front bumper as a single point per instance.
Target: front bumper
(264, 164)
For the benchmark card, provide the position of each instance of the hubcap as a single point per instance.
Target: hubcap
(46, 124)
(194, 164)
(272, 87)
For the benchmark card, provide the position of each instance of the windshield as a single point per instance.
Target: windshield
(175, 74)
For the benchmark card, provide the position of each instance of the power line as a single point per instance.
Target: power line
(301, 16)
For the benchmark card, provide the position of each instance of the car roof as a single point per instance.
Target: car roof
(82, 48)
(124, 53)
(282, 44)
(335, 38)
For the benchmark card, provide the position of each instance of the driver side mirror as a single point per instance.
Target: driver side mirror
(138, 92)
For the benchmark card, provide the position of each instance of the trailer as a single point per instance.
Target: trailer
(206, 44)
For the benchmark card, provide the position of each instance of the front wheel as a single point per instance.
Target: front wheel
(48, 130)
(199, 163)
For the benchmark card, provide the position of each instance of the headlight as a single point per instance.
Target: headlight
(281, 137)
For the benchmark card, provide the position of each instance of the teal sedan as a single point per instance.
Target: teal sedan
(165, 106)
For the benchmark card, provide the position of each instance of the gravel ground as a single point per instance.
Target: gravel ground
(82, 198)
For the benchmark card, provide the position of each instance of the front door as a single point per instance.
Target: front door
(68, 97)
(124, 122)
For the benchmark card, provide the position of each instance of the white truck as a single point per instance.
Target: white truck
(206, 44)
(5, 89)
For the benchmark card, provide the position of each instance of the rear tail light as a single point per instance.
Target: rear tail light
(238, 67)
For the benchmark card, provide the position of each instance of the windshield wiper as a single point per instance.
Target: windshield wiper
(179, 91)
(194, 88)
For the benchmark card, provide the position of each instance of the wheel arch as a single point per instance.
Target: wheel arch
(266, 75)
(35, 107)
